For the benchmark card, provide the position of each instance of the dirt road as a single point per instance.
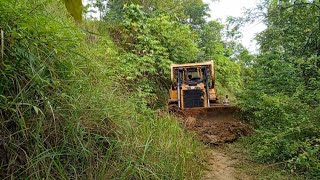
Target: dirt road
(215, 126)
(221, 166)
(226, 160)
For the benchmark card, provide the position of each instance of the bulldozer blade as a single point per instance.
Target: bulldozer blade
(217, 112)
(215, 125)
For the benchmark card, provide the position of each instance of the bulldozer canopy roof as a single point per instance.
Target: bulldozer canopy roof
(192, 64)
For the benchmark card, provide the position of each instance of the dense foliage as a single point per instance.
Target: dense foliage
(192, 12)
(83, 100)
(64, 109)
(151, 39)
(283, 97)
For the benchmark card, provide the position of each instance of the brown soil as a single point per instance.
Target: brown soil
(226, 163)
(231, 162)
(214, 125)
(221, 166)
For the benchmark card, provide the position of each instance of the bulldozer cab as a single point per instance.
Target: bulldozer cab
(190, 76)
(193, 94)
(192, 85)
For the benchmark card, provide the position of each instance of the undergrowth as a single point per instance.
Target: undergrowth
(286, 128)
(282, 97)
(65, 111)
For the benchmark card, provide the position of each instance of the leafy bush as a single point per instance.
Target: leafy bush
(151, 43)
(287, 126)
(65, 113)
(287, 132)
(283, 97)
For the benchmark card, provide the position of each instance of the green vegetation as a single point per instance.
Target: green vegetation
(246, 168)
(68, 112)
(282, 99)
(86, 99)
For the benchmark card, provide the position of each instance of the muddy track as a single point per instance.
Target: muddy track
(217, 127)
(222, 166)
(214, 125)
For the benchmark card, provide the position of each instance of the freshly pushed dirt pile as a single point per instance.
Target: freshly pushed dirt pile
(214, 125)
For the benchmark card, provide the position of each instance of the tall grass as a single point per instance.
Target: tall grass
(65, 112)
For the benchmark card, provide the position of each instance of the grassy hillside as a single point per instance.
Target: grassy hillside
(67, 112)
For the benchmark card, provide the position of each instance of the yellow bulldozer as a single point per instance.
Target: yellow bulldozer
(193, 87)
(194, 98)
